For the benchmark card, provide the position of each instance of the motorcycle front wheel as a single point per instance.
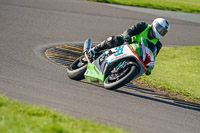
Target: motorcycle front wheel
(77, 69)
(112, 83)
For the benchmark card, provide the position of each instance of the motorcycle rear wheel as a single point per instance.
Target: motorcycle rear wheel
(112, 85)
(77, 69)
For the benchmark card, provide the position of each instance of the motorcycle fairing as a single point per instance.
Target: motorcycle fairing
(130, 53)
(93, 74)
(96, 71)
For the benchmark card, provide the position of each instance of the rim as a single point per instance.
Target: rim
(78, 64)
(114, 76)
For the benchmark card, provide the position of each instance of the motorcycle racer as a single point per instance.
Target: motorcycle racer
(152, 33)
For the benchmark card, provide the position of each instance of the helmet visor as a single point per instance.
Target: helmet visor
(161, 30)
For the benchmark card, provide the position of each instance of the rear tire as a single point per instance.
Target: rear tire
(76, 73)
(134, 70)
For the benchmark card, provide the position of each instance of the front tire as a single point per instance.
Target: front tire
(133, 71)
(76, 70)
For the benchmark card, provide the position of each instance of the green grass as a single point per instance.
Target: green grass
(192, 6)
(178, 71)
(20, 118)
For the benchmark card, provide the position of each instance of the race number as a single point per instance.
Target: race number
(119, 50)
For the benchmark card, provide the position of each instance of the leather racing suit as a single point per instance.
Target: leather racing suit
(128, 34)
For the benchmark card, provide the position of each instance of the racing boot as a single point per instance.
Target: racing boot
(110, 42)
(93, 51)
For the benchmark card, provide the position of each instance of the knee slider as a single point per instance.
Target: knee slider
(114, 41)
(110, 42)
(110, 39)
(119, 40)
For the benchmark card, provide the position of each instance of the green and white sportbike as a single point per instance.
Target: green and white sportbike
(114, 67)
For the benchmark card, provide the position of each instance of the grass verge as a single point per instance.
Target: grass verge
(192, 6)
(177, 70)
(20, 118)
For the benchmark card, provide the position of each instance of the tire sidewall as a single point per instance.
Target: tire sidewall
(77, 74)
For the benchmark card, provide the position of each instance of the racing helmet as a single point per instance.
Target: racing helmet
(160, 27)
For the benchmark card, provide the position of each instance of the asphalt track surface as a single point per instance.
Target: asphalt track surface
(28, 27)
